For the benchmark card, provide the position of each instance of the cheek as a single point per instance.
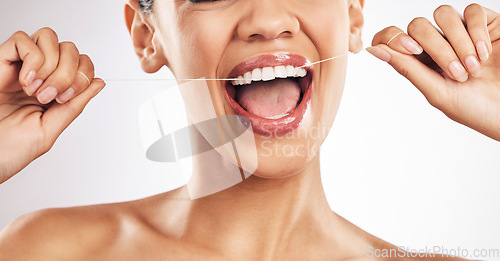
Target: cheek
(327, 25)
(204, 39)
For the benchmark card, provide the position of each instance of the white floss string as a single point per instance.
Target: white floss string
(335, 57)
(231, 79)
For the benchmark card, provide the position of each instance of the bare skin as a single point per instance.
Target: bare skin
(170, 226)
(281, 212)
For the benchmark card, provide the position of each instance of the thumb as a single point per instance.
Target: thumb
(59, 116)
(430, 83)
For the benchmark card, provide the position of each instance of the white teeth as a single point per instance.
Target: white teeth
(301, 72)
(269, 73)
(291, 71)
(280, 72)
(257, 74)
(248, 77)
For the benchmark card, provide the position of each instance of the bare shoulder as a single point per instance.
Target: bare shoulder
(59, 233)
(79, 233)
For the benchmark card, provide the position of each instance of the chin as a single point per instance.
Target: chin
(285, 156)
(280, 168)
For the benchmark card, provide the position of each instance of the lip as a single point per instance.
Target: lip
(286, 123)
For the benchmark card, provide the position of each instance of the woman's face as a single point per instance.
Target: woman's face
(229, 38)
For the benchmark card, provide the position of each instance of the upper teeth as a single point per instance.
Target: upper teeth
(269, 73)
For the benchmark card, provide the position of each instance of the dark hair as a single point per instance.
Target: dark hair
(146, 5)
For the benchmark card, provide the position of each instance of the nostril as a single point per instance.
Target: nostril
(262, 37)
(256, 37)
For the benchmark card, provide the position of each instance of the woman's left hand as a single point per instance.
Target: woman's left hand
(458, 72)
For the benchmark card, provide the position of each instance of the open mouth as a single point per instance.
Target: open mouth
(272, 91)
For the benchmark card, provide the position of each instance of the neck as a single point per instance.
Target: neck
(265, 214)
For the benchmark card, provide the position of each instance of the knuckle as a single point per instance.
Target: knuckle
(49, 65)
(391, 29)
(70, 45)
(80, 84)
(376, 39)
(444, 11)
(417, 25)
(85, 59)
(47, 32)
(37, 57)
(62, 81)
(384, 35)
(65, 81)
(19, 35)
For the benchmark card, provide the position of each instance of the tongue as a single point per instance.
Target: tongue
(269, 99)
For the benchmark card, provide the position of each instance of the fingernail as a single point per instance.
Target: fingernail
(33, 87)
(410, 45)
(379, 53)
(47, 95)
(458, 71)
(473, 65)
(99, 90)
(65, 96)
(29, 78)
(482, 51)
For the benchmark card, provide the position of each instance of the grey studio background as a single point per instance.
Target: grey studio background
(392, 164)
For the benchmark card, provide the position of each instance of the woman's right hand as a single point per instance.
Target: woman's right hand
(44, 86)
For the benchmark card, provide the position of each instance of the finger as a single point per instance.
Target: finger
(477, 26)
(493, 26)
(58, 117)
(48, 42)
(64, 75)
(20, 47)
(85, 72)
(397, 40)
(428, 81)
(450, 22)
(438, 48)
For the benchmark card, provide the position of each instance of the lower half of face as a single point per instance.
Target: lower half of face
(290, 148)
(267, 48)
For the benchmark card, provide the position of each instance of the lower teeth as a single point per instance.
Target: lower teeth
(276, 117)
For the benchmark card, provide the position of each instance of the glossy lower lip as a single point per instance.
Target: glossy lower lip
(289, 122)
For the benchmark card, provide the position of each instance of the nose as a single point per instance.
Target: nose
(266, 20)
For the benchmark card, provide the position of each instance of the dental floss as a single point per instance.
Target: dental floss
(335, 57)
(203, 79)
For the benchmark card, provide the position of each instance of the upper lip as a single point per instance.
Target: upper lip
(270, 60)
